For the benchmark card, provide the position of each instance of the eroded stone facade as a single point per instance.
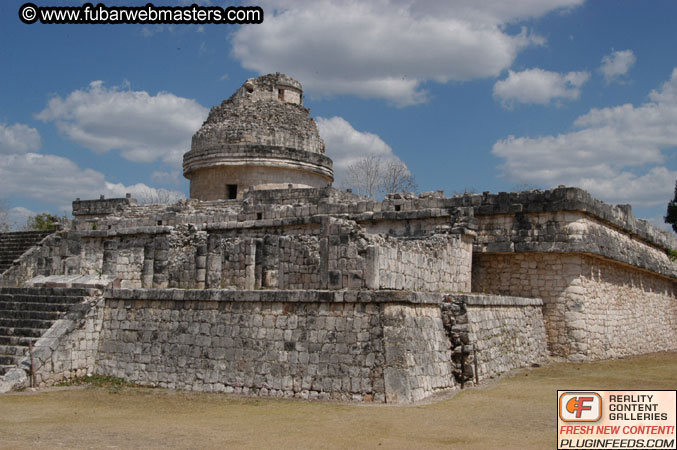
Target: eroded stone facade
(285, 344)
(594, 308)
(270, 282)
(261, 138)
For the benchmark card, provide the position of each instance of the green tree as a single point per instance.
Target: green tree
(42, 221)
(671, 216)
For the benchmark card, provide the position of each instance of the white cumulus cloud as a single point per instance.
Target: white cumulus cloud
(617, 153)
(387, 49)
(18, 216)
(345, 145)
(539, 86)
(617, 64)
(18, 138)
(57, 181)
(143, 127)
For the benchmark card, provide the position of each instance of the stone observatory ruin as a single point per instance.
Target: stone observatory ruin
(260, 138)
(268, 281)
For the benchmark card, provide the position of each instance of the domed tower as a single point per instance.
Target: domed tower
(261, 137)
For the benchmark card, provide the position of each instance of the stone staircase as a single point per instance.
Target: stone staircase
(26, 313)
(13, 245)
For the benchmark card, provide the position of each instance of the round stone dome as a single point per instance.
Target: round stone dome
(261, 137)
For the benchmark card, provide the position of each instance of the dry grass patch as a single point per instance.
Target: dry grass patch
(514, 412)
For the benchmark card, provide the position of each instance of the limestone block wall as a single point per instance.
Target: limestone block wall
(272, 261)
(69, 348)
(266, 88)
(91, 257)
(398, 215)
(268, 122)
(101, 207)
(332, 254)
(440, 264)
(491, 335)
(593, 308)
(211, 183)
(569, 232)
(507, 333)
(426, 225)
(520, 209)
(617, 311)
(347, 345)
(417, 353)
(58, 254)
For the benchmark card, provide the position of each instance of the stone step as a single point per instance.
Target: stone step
(34, 306)
(20, 341)
(31, 314)
(9, 360)
(5, 369)
(15, 350)
(20, 323)
(10, 261)
(11, 255)
(15, 245)
(49, 291)
(26, 313)
(27, 233)
(70, 300)
(20, 332)
(33, 300)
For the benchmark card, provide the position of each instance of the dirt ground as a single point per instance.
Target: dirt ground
(514, 412)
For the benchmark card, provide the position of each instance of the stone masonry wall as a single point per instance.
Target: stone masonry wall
(524, 204)
(344, 345)
(440, 264)
(491, 335)
(417, 353)
(618, 311)
(568, 232)
(593, 308)
(58, 254)
(68, 349)
(325, 253)
(65, 350)
(507, 333)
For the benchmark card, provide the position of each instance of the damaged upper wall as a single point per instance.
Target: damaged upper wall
(568, 220)
(266, 110)
(385, 346)
(261, 137)
(327, 240)
(562, 220)
(274, 86)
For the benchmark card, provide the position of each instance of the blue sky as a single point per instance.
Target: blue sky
(484, 96)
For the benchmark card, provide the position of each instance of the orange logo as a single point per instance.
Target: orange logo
(580, 407)
(577, 404)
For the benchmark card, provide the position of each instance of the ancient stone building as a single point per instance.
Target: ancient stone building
(262, 138)
(298, 289)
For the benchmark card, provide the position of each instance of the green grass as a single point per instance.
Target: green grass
(672, 254)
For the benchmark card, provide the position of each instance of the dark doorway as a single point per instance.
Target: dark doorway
(231, 191)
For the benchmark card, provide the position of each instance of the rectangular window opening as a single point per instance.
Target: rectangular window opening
(231, 191)
(280, 94)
